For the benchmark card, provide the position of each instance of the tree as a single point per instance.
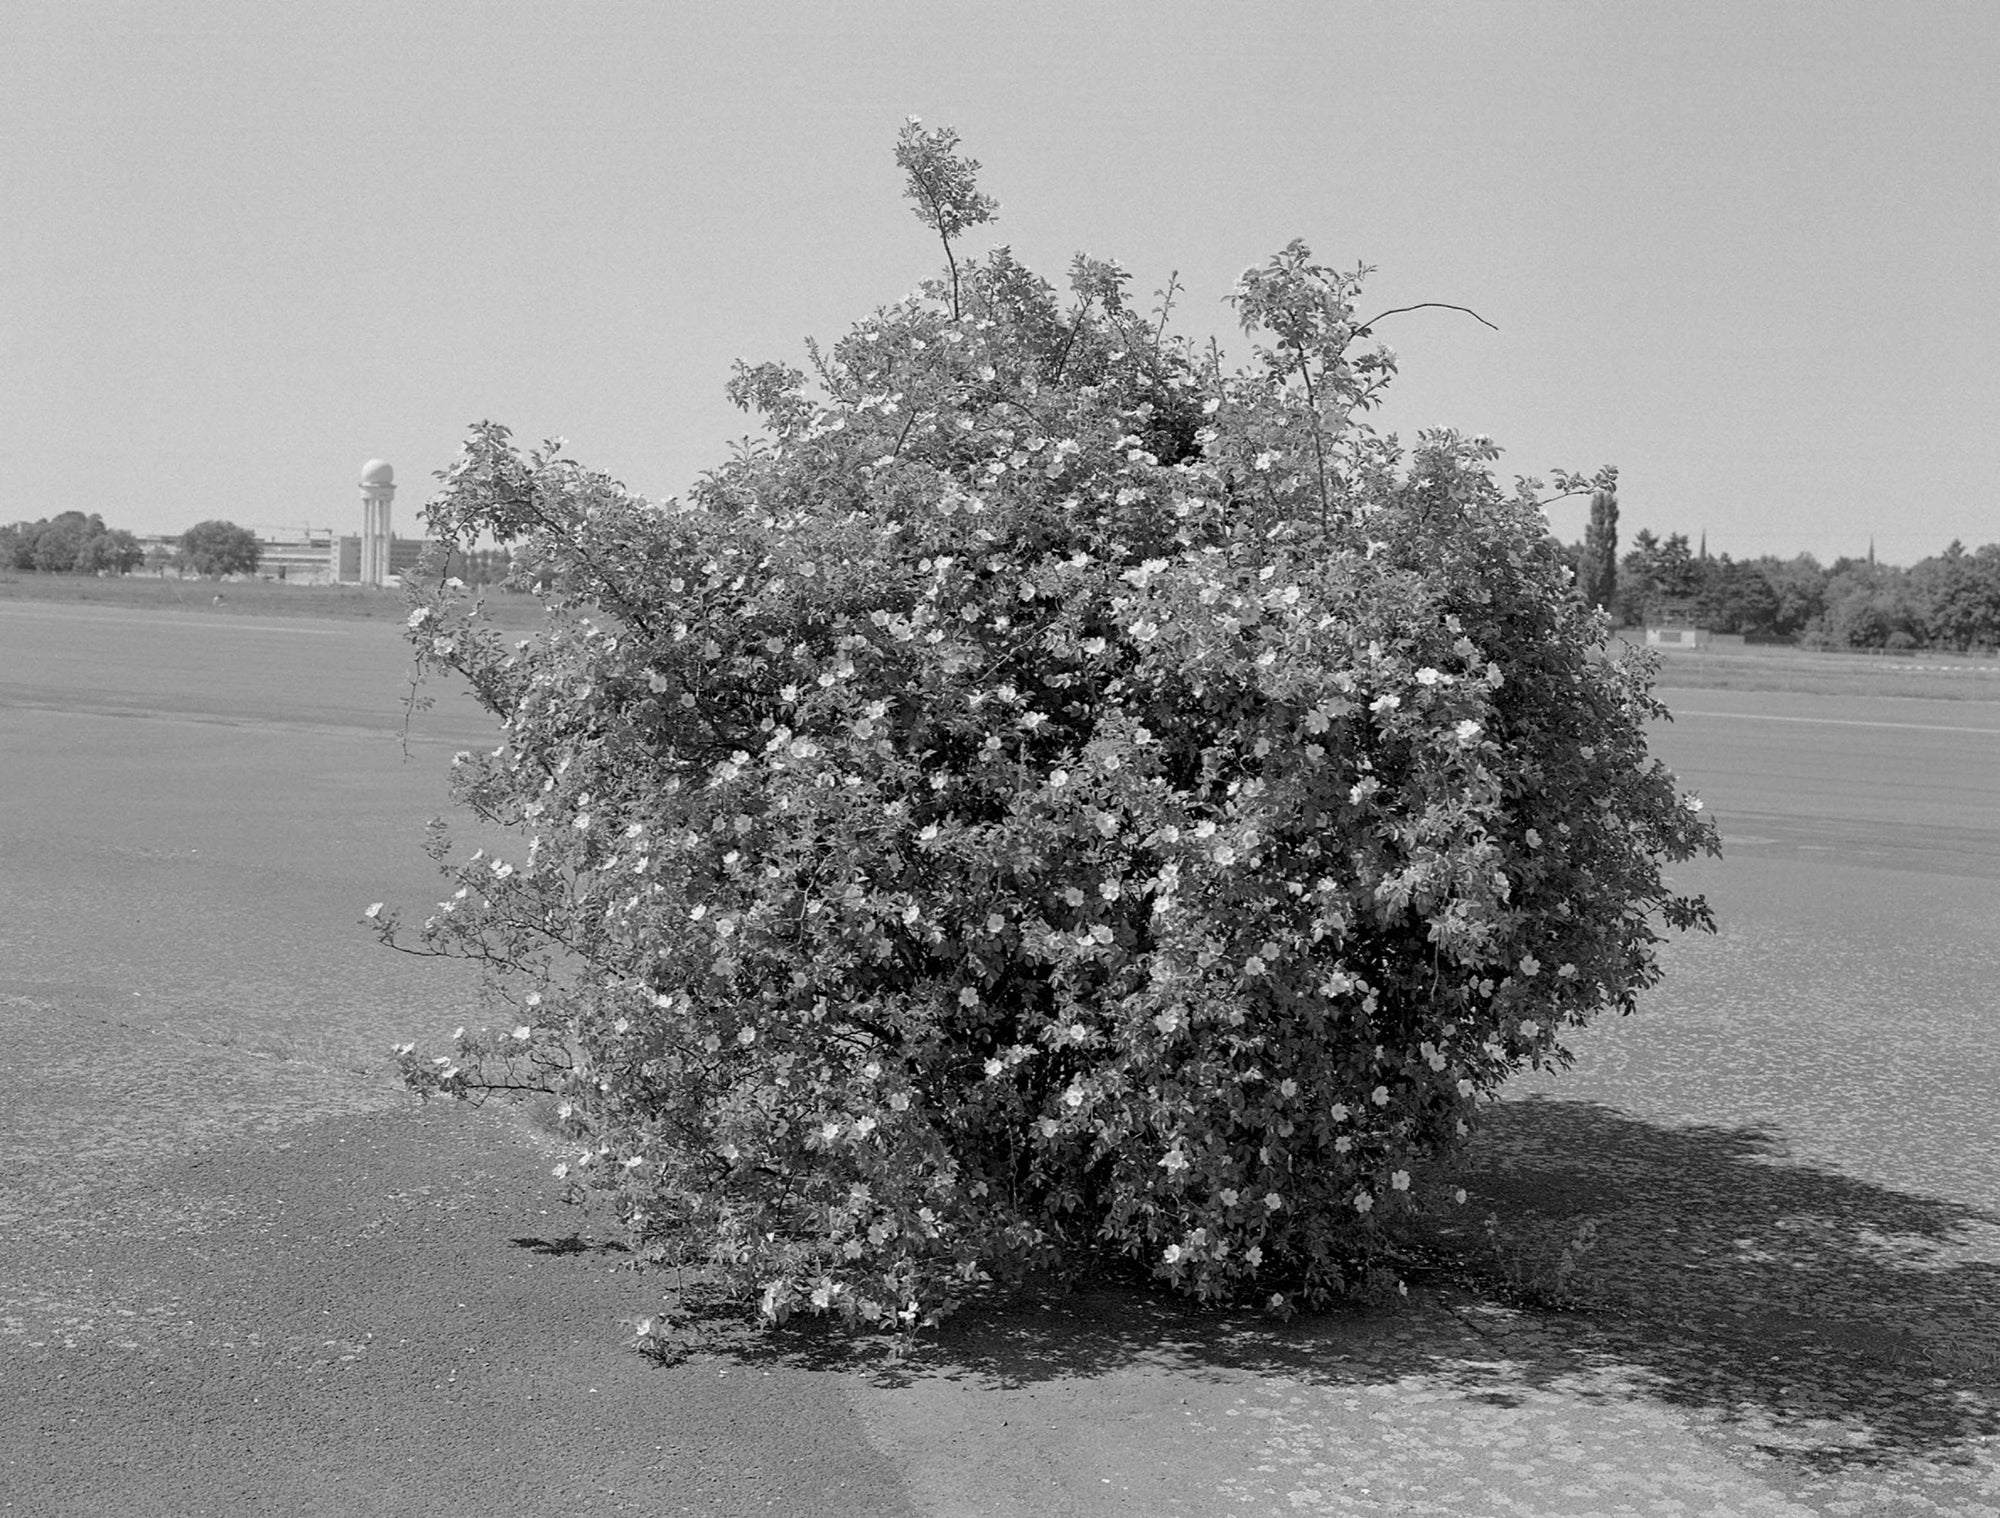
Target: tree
(220, 548)
(1800, 586)
(1867, 605)
(1049, 797)
(1961, 596)
(1737, 598)
(111, 551)
(1598, 568)
(1653, 573)
(69, 543)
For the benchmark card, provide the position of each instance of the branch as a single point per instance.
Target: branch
(1366, 328)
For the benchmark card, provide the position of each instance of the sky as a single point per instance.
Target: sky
(1747, 252)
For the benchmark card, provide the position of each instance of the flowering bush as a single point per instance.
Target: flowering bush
(1053, 796)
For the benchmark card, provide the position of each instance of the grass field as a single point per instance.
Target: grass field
(234, 1260)
(239, 598)
(1805, 671)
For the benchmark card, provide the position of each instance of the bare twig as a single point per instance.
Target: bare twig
(1423, 305)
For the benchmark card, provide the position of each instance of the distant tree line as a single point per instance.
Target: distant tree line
(69, 543)
(1950, 600)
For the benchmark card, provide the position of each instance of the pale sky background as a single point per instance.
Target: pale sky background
(1750, 253)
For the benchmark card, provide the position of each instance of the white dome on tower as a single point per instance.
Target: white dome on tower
(378, 472)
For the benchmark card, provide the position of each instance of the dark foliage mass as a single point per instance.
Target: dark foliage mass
(220, 548)
(69, 543)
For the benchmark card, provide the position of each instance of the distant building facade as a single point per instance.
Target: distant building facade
(312, 555)
(1675, 624)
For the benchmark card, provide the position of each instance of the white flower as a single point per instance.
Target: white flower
(1385, 703)
(1379, 1096)
(524, 1033)
(1173, 1161)
(1427, 676)
(967, 997)
(1172, 1253)
(1469, 731)
(1529, 1027)
(1530, 966)
(1534, 839)
(1400, 1180)
(1272, 1201)
(1227, 1196)
(1363, 1203)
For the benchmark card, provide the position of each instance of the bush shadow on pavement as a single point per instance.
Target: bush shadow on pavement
(1837, 1325)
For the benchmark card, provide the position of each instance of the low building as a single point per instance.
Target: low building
(1675, 624)
(403, 556)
